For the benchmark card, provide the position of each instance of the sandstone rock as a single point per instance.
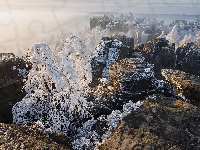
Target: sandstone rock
(126, 72)
(187, 86)
(130, 79)
(161, 123)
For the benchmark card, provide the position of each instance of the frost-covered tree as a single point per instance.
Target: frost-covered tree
(187, 38)
(174, 36)
(162, 35)
(197, 38)
(144, 37)
(93, 37)
(56, 86)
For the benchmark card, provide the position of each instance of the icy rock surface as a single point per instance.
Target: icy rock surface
(56, 86)
(160, 53)
(188, 58)
(186, 86)
(107, 52)
(88, 138)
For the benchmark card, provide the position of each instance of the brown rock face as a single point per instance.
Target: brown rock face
(161, 123)
(23, 137)
(13, 72)
(185, 85)
(126, 75)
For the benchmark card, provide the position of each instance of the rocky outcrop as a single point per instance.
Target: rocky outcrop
(188, 59)
(161, 123)
(13, 72)
(135, 76)
(186, 86)
(107, 52)
(130, 79)
(129, 74)
(160, 53)
(14, 136)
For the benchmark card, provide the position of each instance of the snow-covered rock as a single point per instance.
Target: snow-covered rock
(107, 52)
(160, 53)
(188, 58)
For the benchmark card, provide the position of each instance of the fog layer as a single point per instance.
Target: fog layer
(23, 22)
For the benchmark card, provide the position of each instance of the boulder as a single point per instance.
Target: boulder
(107, 52)
(131, 75)
(130, 79)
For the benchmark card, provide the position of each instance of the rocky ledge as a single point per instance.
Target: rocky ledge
(161, 123)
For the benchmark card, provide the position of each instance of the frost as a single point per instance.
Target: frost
(22, 72)
(113, 119)
(162, 35)
(14, 68)
(184, 32)
(89, 139)
(56, 85)
(139, 28)
(187, 39)
(174, 35)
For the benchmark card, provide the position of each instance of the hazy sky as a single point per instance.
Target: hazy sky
(159, 6)
(23, 22)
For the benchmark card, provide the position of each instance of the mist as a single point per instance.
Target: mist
(24, 22)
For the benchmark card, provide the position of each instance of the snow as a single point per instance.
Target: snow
(89, 139)
(56, 85)
(184, 32)
(58, 81)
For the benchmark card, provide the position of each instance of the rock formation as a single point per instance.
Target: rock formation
(161, 123)
(13, 71)
(107, 52)
(142, 29)
(188, 59)
(120, 97)
(130, 79)
(160, 53)
(185, 85)
(14, 136)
